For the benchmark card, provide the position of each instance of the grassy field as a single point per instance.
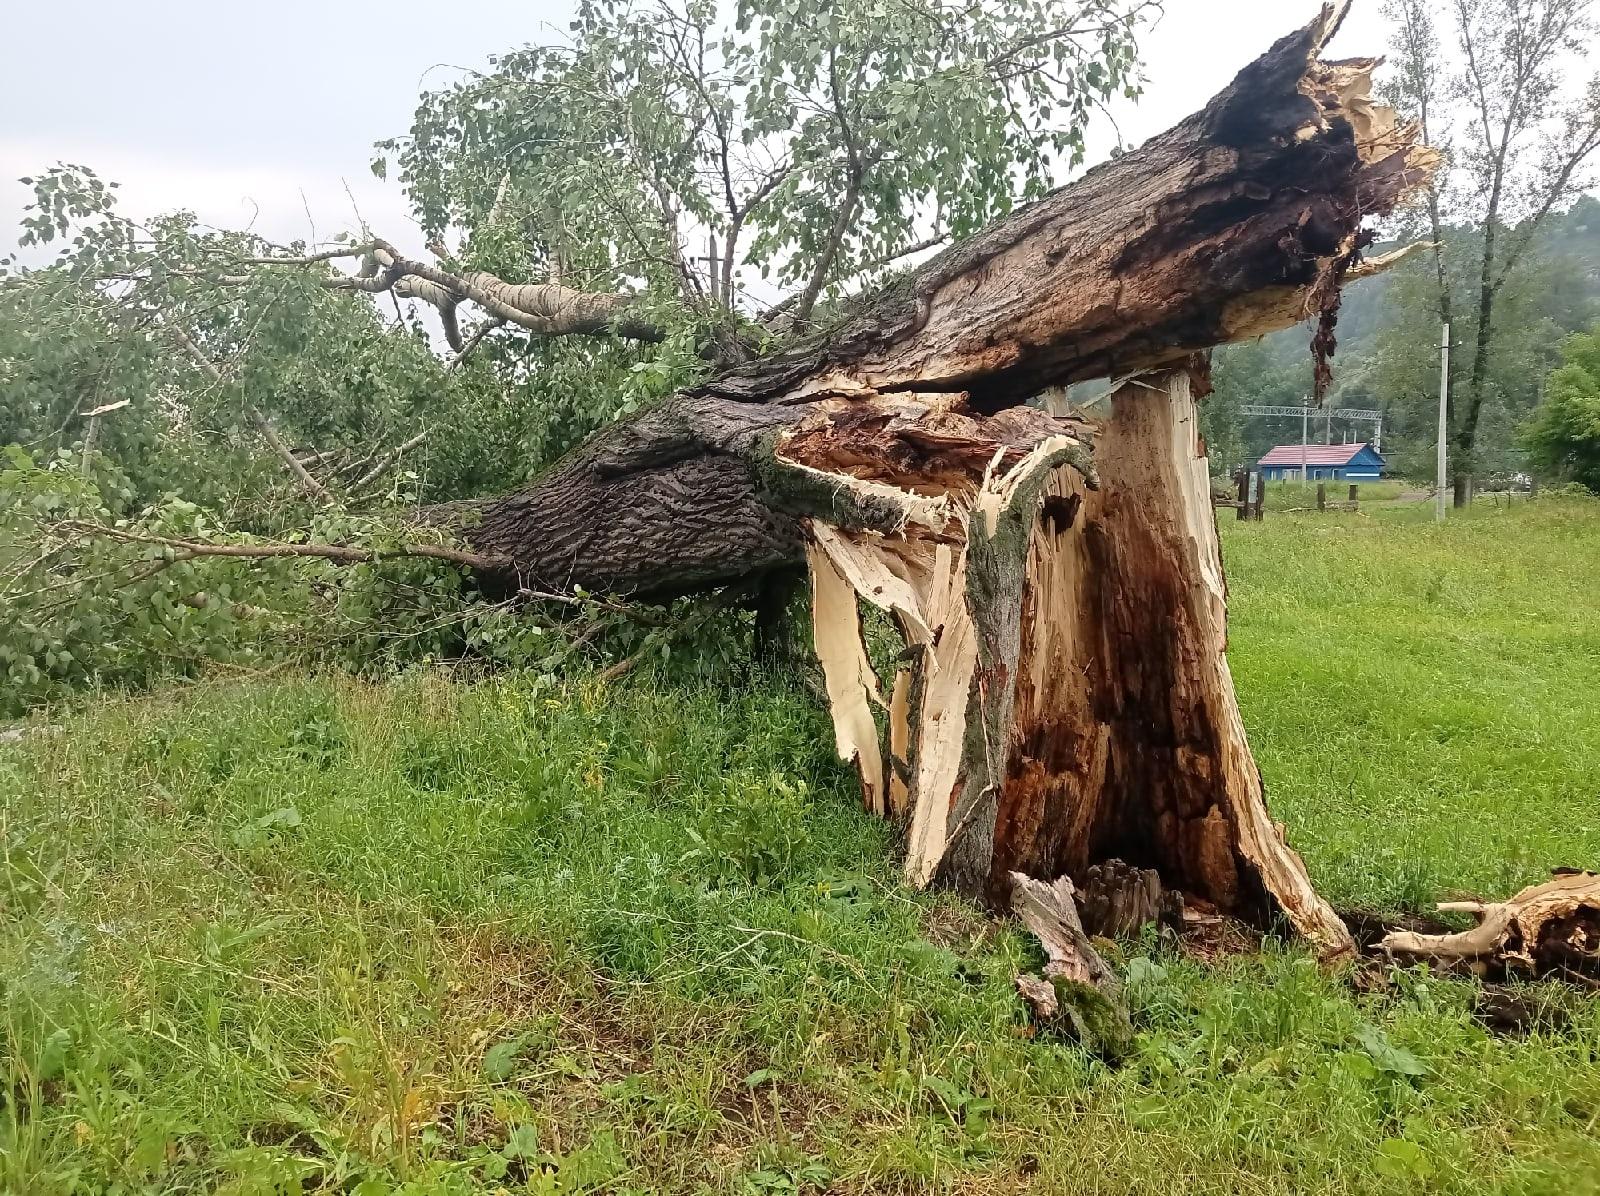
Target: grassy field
(295, 934)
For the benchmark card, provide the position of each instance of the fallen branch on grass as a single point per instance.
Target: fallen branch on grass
(1551, 929)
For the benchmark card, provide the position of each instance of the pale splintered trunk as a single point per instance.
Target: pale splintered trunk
(1065, 629)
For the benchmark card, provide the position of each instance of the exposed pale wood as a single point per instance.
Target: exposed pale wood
(1084, 992)
(1040, 995)
(852, 685)
(1050, 910)
(900, 742)
(1550, 928)
(1065, 698)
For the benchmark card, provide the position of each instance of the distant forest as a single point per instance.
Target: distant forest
(1388, 354)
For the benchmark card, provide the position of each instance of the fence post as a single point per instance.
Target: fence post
(1241, 480)
(1322, 496)
(1355, 503)
(1259, 484)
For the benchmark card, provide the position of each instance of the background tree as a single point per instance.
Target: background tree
(1519, 144)
(1564, 437)
(1541, 248)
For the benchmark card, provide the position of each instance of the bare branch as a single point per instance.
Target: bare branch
(388, 461)
(344, 554)
(472, 342)
(312, 487)
(549, 309)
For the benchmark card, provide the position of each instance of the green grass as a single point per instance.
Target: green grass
(1422, 699)
(287, 935)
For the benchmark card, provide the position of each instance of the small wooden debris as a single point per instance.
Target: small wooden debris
(1040, 995)
(1119, 899)
(1552, 929)
(1079, 992)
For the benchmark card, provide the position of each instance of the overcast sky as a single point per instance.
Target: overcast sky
(264, 115)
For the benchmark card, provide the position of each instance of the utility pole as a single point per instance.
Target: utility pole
(1305, 440)
(1444, 419)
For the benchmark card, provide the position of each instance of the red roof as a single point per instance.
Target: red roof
(1312, 454)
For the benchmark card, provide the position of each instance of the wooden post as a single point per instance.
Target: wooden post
(1242, 481)
(1354, 501)
(1260, 494)
(1322, 496)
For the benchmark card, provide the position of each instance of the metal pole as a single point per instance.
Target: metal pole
(1444, 416)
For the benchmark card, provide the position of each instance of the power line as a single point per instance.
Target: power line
(1306, 413)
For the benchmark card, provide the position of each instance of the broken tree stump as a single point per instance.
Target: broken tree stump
(1065, 617)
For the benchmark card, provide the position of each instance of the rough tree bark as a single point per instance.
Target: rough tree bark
(1063, 698)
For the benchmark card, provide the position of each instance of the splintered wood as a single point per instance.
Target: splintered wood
(1551, 929)
(1062, 697)
(1079, 991)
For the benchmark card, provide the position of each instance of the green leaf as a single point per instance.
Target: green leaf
(52, 1060)
(523, 1143)
(500, 1060)
(1388, 1057)
(1400, 1158)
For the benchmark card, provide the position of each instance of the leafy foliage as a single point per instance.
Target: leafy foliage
(175, 380)
(107, 610)
(815, 140)
(1564, 435)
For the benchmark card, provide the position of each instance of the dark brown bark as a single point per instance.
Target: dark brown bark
(667, 502)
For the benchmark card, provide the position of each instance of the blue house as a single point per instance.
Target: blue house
(1335, 462)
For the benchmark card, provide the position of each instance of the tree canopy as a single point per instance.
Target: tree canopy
(675, 187)
(1564, 437)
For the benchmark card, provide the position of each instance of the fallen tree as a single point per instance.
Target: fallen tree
(1061, 705)
(1063, 698)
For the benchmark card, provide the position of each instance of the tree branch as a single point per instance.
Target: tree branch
(387, 462)
(343, 554)
(549, 309)
(313, 488)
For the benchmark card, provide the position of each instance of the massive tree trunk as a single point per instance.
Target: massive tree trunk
(1063, 698)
